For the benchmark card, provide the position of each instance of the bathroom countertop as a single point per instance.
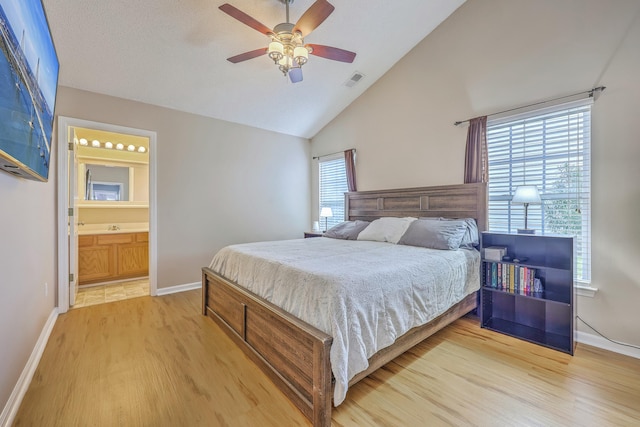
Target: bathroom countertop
(106, 228)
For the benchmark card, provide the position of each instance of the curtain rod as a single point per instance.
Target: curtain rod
(331, 154)
(590, 92)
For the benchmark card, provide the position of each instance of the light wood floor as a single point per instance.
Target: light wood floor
(159, 362)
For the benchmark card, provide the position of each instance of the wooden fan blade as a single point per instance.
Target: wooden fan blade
(314, 16)
(245, 19)
(295, 74)
(333, 53)
(248, 55)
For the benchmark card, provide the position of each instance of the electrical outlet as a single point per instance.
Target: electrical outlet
(46, 289)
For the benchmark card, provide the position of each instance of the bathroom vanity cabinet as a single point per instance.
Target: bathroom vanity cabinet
(113, 256)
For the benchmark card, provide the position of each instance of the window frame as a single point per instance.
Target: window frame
(582, 277)
(336, 199)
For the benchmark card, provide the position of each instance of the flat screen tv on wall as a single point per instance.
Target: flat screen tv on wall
(28, 85)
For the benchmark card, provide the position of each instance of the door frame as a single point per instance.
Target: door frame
(64, 123)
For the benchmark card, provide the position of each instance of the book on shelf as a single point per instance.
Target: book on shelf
(511, 278)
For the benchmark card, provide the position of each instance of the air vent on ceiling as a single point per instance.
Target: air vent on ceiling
(354, 79)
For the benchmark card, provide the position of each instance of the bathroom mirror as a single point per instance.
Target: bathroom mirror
(106, 183)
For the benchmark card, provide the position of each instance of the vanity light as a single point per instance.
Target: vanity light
(109, 145)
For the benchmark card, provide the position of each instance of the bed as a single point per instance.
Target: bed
(295, 354)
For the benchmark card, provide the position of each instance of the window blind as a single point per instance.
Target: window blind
(333, 185)
(550, 149)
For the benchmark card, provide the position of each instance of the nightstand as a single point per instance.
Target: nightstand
(308, 234)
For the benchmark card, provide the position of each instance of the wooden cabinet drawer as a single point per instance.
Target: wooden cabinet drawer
(84, 241)
(110, 239)
(142, 237)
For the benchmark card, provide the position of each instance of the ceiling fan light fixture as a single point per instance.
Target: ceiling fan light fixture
(286, 47)
(276, 51)
(300, 55)
(286, 63)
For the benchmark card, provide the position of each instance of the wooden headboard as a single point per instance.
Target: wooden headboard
(451, 201)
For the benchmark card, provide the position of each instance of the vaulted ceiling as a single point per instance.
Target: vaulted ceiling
(172, 53)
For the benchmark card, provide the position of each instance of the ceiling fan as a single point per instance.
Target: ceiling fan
(287, 48)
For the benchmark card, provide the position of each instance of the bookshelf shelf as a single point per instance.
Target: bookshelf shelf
(546, 317)
(527, 333)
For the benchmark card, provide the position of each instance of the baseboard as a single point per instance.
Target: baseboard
(13, 404)
(598, 341)
(178, 288)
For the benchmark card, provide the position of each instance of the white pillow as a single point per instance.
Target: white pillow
(386, 229)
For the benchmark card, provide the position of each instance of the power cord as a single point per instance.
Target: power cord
(608, 339)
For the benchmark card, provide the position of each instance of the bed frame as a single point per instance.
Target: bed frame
(294, 354)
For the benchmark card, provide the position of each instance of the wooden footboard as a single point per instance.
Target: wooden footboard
(294, 354)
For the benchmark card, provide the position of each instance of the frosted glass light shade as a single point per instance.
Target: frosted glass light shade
(276, 50)
(301, 55)
(526, 194)
(326, 212)
(286, 61)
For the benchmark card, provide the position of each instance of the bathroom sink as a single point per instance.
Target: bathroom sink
(132, 227)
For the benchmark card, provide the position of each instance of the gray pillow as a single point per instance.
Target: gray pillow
(434, 234)
(347, 230)
(471, 238)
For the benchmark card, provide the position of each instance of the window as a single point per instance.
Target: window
(110, 191)
(333, 185)
(548, 148)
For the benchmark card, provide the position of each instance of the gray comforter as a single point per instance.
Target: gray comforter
(364, 294)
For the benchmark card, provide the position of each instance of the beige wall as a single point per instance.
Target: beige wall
(27, 262)
(217, 183)
(492, 55)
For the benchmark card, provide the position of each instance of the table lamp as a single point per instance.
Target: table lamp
(326, 213)
(526, 194)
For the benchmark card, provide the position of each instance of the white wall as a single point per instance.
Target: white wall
(492, 55)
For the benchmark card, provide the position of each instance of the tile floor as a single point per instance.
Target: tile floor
(112, 292)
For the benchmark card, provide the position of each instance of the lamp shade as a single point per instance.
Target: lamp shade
(326, 212)
(526, 194)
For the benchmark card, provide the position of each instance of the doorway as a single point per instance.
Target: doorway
(106, 210)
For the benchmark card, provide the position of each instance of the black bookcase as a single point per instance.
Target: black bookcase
(546, 317)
